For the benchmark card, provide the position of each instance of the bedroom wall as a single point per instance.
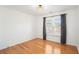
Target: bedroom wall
(15, 27)
(77, 28)
(72, 26)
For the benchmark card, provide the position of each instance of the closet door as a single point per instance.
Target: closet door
(53, 28)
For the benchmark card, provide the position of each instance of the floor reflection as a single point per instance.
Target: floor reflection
(57, 50)
(50, 49)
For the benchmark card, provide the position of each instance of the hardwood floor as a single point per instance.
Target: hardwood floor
(39, 46)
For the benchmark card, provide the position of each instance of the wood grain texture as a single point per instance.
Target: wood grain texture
(40, 46)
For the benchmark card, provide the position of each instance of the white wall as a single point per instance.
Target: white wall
(39, 27)
(77, 28)
(15, 27)
(72, 20)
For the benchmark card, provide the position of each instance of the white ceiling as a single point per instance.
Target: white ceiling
(32, 9)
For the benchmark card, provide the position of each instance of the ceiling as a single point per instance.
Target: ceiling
(32, 9)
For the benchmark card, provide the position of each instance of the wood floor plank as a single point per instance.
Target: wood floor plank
(39, 46)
